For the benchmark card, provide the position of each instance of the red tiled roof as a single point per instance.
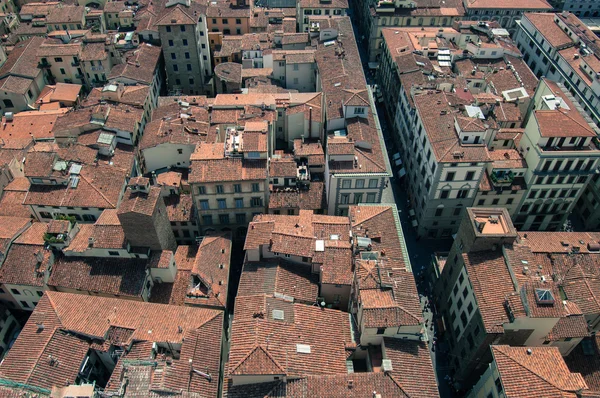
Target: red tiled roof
(197, 330)
(115, 276)
(492, 285)
(542, 372)
(587, 363)
(278, 276)
(412, 367)
(327, 332)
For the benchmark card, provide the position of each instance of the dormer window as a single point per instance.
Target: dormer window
(359, 110)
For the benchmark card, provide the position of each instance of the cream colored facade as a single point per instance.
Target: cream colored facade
(558, 170)
(229, 205)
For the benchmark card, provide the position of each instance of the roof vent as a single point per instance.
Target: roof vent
(529, 352)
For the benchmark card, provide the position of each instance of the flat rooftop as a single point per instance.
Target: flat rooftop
(489, 221)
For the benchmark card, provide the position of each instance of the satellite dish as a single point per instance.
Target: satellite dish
(322, 304)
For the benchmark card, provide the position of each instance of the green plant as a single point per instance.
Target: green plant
(49, 238)
(71, 219)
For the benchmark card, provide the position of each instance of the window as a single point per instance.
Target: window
(185, 42)
(15, 291)
(360, 183)
(175, 68)
(465, 292)
(359, 110)
(444, 194)
(201, 190)
(170, 43)
(219, 188)
(457, 211)
(450, 176)
(455, 290)
(509, 201)
(256, 202)
(187, 55)
(373, 183)
(462, 193)
(463, 319)
(495, 201)
(498, 385)
(113, 253)
(182, 28)
(345, 198)
(189, 67)
(238, 21)
(237, 188)
(346, 184)
(470, 175)
(204, 205)
(191, 80)
(255, 187)
(222, 203)
(239, 203)
(439, 211)
(168, 29)
(24, 304)
(481, 202)
(370, 198)
(207, 219)
(240, 218)
(58, 59)
(358, 198)
(470, 308)
(173, 56)
(380, 330)
(62, 71)
(8, 103)
(224, 218)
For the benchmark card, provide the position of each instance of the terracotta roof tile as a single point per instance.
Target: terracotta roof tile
(210, 273)
(278, 276)
(492, 285)
(541, 373)
(140, 65)
(311, 199)
(123, 277)
(586, 362)
(327, 332)
(412, 367)
(143, 323)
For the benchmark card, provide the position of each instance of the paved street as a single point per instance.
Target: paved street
(420, 251)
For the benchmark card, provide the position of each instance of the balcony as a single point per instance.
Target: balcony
(75, 63)
(593, 146)
(44, 64)
(79, 76)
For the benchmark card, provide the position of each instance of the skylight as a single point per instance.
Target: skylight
(303, 348)
(544, 296)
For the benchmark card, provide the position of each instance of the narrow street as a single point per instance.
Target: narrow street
(420, 251)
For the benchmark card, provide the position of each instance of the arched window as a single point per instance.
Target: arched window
(408, 21)
(420, 22)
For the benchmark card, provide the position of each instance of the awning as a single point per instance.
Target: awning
(401, 173)
(396, 156)
(398, 162)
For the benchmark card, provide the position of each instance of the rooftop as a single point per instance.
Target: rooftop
(70, 330)
(534, 371)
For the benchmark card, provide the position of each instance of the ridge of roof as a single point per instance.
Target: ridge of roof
(255, 352)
